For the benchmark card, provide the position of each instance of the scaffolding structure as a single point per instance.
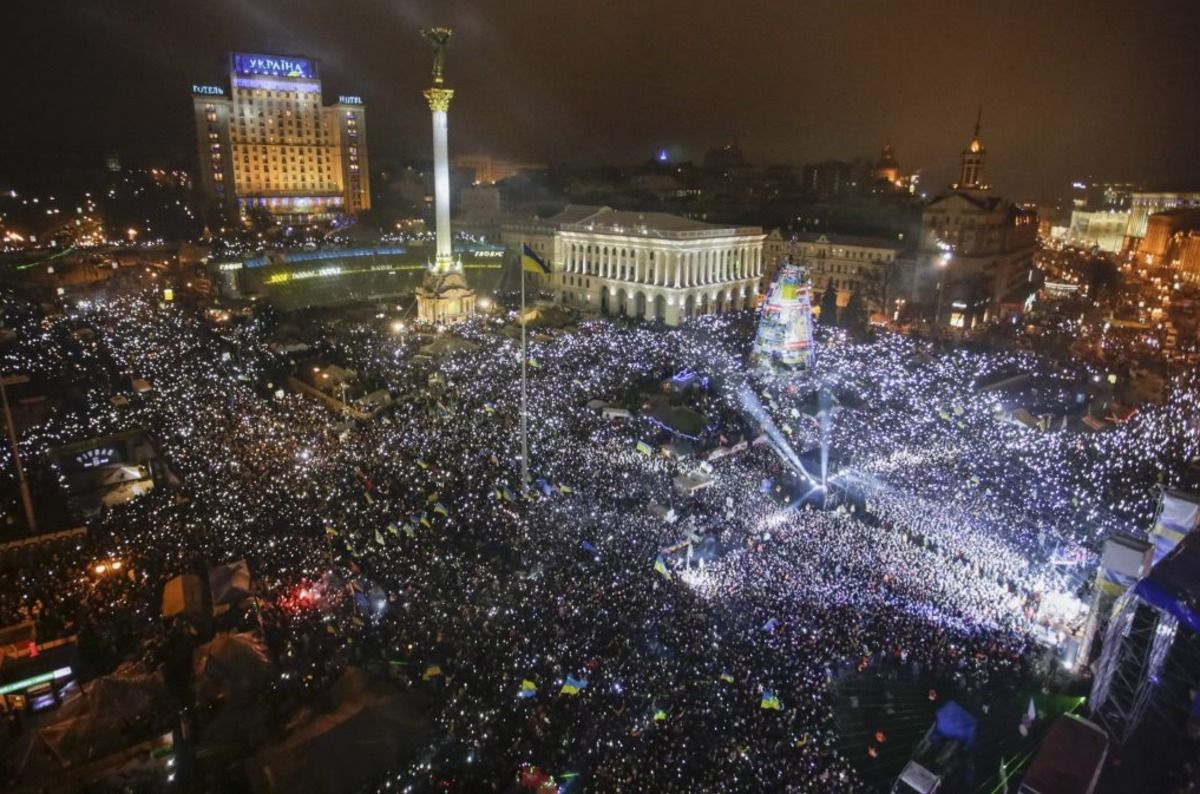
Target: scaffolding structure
(1123, 561)
(1150, 662)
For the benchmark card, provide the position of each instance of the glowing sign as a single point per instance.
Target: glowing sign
(208, 90)
(350, 100)
(26, 683)
(274, 66)
(92, 458)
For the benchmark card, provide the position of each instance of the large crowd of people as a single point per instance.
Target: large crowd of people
(409, 544)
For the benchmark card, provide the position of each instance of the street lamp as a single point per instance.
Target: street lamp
(22, 483)
(941, 264)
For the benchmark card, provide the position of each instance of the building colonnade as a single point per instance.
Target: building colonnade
(675, 267)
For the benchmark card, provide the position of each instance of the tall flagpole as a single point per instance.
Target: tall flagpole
(524, 391)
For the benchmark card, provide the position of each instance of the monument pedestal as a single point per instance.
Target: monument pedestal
(444, 299)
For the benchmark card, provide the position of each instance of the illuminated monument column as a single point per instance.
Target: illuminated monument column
(439, 104)
(444, 296)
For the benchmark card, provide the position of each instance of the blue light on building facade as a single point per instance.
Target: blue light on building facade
(248, 64)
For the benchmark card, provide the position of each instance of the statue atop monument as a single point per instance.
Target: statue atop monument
(438, 37)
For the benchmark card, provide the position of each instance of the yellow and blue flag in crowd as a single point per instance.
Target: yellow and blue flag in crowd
(532, 263)
(769, 701)
(528, 689)
(660, 565)
(644, 448)
(573, 686)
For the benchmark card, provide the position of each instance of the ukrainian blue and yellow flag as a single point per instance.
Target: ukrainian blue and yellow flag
(769, 701)
(528, 690)
(660, 565)
(573, 686)
(532, 263)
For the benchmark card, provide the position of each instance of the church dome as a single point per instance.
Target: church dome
(887, 160)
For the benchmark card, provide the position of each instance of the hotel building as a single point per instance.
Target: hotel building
(268, 147)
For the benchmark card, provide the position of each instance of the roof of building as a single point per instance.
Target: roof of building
(1178, 213)
(606, 219)
(983, 201)
(887, 159)
(849, 239)
(574, 213)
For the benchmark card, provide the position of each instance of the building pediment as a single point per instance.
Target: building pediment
(953, 201)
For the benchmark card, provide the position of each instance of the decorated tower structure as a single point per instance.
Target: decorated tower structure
(785, 327)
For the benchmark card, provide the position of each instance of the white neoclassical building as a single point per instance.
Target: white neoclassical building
(649, 265)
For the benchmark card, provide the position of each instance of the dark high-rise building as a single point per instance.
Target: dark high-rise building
(828, 178)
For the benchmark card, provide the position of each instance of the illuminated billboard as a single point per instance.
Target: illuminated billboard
(249, 65)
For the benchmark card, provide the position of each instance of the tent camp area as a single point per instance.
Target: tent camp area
(370, 729)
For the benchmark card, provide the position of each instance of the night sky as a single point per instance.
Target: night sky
(1068, 89)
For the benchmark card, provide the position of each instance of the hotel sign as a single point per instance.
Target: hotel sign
(249, 65)
(350, 100)
(208, 90)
